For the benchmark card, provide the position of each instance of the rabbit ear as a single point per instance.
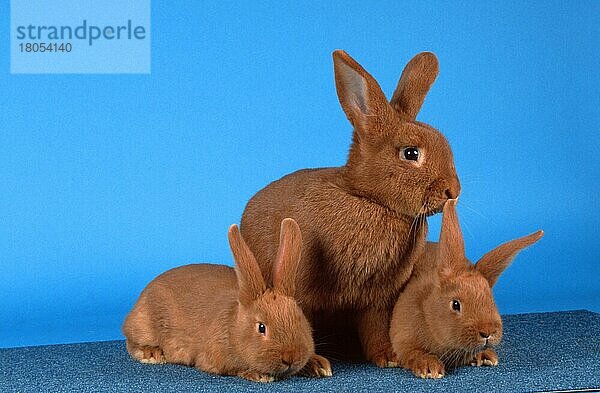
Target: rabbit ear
(288, 257)
(417, 77)
(492, 264)
(358, 92)
(250, 280)
(451, 248)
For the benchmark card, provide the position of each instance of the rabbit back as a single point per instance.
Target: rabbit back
(181, 314)
(349, 242)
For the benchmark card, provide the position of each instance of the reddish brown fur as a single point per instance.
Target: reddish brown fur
(207, 316)
(427, 334)
(363, 223)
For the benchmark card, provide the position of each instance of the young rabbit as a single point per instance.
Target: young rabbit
(446, 316)
(227, 321)
(363, 223)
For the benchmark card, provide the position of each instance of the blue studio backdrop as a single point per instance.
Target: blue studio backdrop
(107, 180)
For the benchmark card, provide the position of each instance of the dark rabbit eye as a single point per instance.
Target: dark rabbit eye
(411, 153)
(261, 328)
(456, 305)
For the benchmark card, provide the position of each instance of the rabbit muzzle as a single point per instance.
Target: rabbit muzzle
(438, 193)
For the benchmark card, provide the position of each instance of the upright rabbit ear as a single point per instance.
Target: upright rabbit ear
(451, 247)
(250, 280)
(288, 257)
(416, 80)
(358, 92)
(492, 264)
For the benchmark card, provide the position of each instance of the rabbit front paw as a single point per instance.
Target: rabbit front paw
(487, 357)
(385, 357)
(146, 354)
(256, 377)
(428, 366)
(316, 367)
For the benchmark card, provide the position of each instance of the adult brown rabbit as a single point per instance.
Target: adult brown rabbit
(446, 317)
(227, 321)
(363, 223)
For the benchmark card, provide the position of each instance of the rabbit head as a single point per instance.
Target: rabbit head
(395, 160)
(460, 312)
(272, 335)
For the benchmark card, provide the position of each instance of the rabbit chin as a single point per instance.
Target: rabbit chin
(481, 347)
(459, 356)
(432, 206)
(286, 371)
(279, 370)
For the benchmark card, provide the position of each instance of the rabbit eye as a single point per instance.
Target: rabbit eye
(262, 329)
(411, 153)
(456, 305)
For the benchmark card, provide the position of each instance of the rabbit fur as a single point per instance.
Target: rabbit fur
(446, 316)
(364, 223)
(228, 321)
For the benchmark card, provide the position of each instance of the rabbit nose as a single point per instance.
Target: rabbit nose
(453, 189)
(484, 335)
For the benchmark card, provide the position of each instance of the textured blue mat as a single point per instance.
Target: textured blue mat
(549, 351)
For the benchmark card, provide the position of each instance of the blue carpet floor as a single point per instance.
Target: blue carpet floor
(540, 352)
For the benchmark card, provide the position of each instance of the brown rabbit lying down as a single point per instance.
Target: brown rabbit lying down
(363, 224)
(227, 321)
(446, 316)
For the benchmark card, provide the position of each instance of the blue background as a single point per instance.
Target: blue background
(108, 180)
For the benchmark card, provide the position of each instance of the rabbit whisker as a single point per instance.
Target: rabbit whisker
(463, 203)
(416, 224)
(468, 229)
